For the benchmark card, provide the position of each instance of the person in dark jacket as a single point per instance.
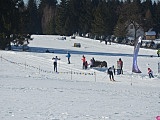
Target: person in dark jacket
(92, 62)
(158, 52)
(83, 61)
(110, 72)
(86, 65)
(150, 73)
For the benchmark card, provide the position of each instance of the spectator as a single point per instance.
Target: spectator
(119, 67)
(92, 61)
(106, 40)
(83, 61)
(158, 52)
(109, 40)
(86, 65)
(150, 73)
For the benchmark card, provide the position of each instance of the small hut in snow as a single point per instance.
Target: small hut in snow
(150, 35)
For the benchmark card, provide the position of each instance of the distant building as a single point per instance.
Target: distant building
(150, 35)
(131, 31)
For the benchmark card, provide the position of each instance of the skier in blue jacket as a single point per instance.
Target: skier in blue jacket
(68, 56)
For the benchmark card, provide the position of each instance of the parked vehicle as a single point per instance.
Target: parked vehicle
(151, 43)
(155, 44)
(118, 39)
(130, 40)
(144, 44)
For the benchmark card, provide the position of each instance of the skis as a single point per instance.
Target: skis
(113, 80)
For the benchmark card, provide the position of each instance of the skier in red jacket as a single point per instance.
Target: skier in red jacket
(83, 60)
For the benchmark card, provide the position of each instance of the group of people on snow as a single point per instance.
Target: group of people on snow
(56, 59)
(111, 71)
(85, 64)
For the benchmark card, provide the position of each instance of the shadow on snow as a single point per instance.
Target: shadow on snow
(64, 51)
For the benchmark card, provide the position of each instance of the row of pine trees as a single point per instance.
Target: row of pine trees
(97, 17)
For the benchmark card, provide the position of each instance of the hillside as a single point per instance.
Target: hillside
(31, 90)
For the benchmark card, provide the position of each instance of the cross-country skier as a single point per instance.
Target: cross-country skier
(55, 62)
(110, 72)
(150, 73)
(68, 56)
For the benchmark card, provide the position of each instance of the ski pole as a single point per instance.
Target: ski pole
(104, 77)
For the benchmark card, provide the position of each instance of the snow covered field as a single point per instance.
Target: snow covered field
(30, 90)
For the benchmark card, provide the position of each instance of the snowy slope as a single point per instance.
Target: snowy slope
(30, 90)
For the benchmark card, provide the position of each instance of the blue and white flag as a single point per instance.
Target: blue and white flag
(136, 50)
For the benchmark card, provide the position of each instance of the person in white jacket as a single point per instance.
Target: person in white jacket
(55, 62)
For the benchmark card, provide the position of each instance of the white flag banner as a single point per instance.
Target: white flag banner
(136, 50)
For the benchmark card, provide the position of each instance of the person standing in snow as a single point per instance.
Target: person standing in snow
(110, 72)
(119, 67)
(106, 40)
(114, 70)
(86, 65)
(68, 56)
(83, 61)
(55, 62)
(92, 61)
(158, 52)
(150, 73)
